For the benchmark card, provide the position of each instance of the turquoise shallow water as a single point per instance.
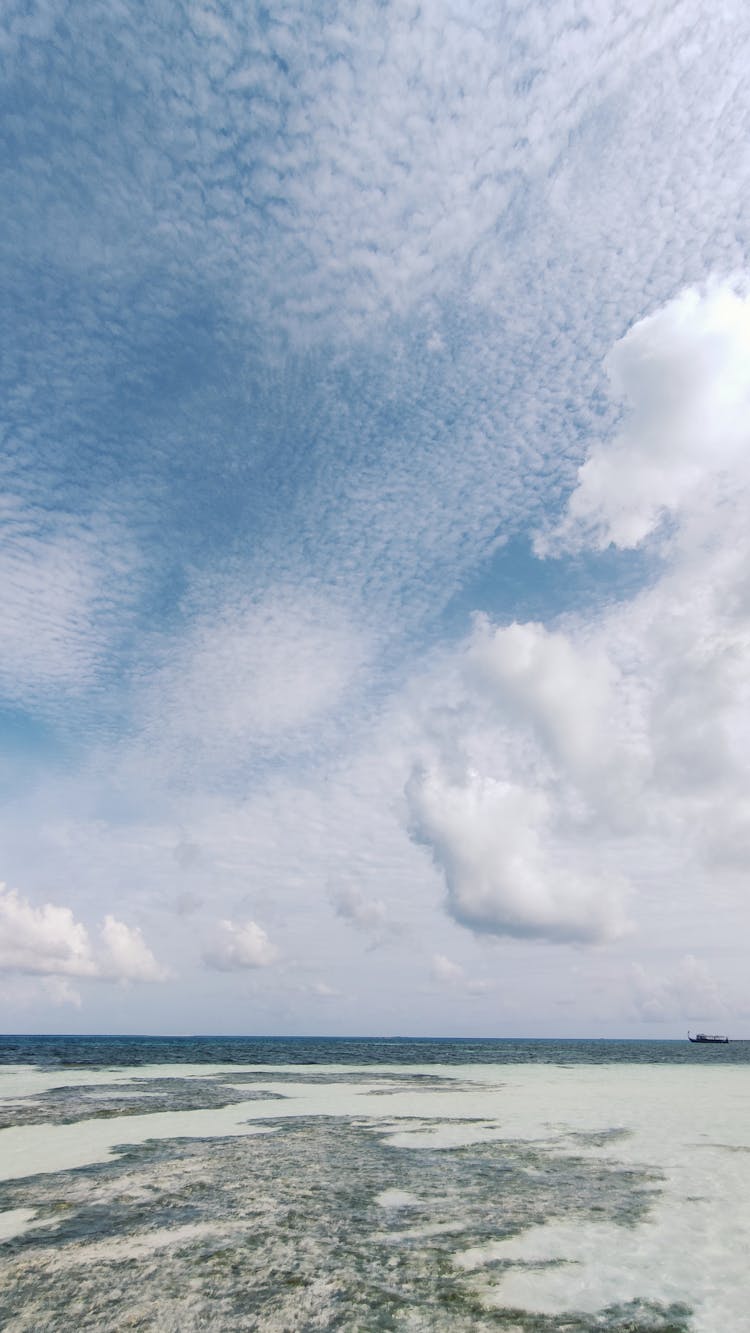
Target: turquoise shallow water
(276, 1185)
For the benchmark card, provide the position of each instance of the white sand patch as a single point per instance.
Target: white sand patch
(692, 1124)
(443, 1134)
(16, 1221)
(30, 1150)
(675, 1257)
(396, 1199)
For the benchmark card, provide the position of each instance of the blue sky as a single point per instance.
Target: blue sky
(373, 466)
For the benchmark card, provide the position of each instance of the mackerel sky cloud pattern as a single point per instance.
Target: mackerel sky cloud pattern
(372, 495)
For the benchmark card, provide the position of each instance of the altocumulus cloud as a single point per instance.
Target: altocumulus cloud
(66, 589)
(251, 674)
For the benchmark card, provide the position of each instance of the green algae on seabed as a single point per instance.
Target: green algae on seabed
(285, 1232)
(67, 1105)
(631, 1317)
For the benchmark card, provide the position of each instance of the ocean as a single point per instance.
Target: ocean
(201, 1183)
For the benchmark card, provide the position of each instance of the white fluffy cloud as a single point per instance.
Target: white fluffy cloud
(48, 941)
(684, 376)
(239, 945)
(578, 701)
(488, 837)
(608, 741)
(42, 940)
(125, 954)
(565, 690)
(682, 647)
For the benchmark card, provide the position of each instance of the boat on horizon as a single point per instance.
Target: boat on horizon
(713, 1038)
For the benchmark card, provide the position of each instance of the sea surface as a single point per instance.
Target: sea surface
(181, 1183)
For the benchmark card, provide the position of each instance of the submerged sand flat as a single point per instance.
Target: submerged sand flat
(516, 1196)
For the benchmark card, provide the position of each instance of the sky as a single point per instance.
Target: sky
(374, 591)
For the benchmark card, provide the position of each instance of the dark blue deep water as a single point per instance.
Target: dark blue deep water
(92, 1052)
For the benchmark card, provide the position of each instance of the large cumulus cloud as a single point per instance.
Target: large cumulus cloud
(595, 748)
(684, 375)
(489, 838)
